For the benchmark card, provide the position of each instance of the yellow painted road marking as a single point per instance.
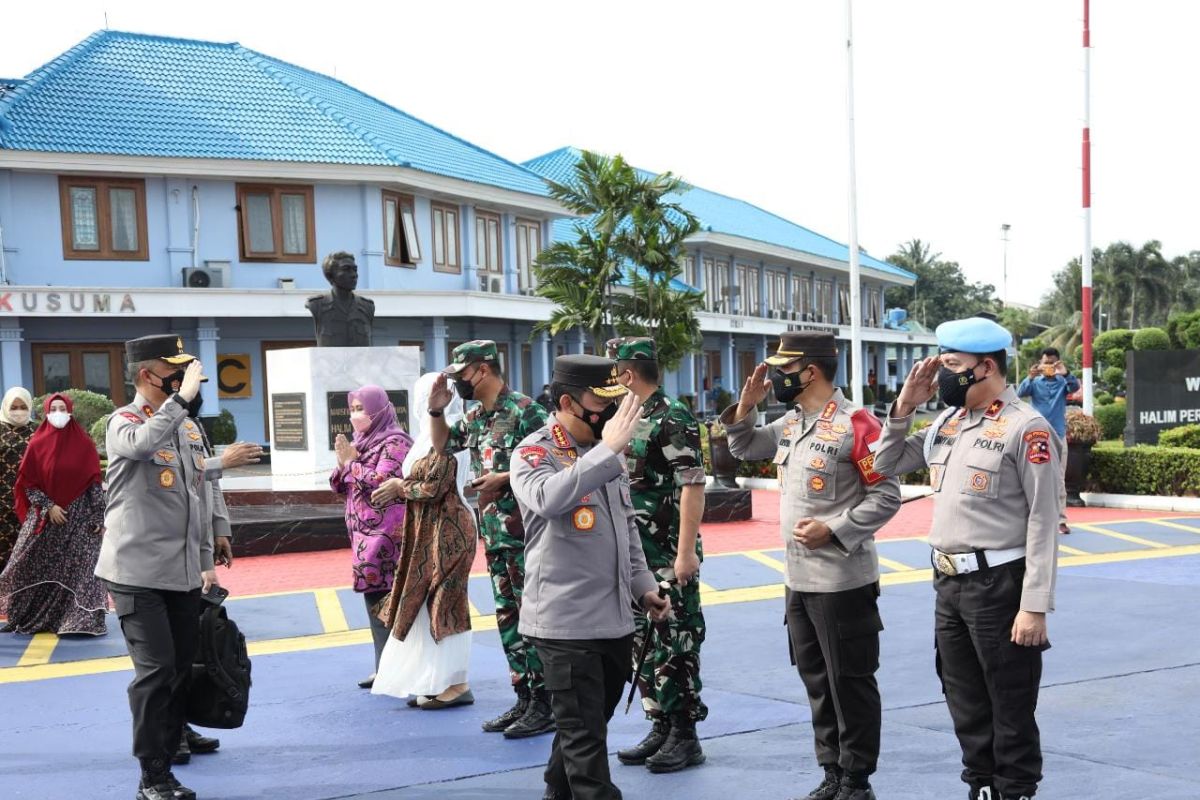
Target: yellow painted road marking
(763, 558)
(1118, 535)
(34, 672)
(896, 565)
(1072, 551)
(1168, 524)
(333, 618)
(39, 650)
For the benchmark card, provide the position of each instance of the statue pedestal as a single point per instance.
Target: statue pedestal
(722, 504)
(307, 406)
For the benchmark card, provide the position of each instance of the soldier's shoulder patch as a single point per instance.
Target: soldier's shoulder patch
(532, 455)
(1037, 446)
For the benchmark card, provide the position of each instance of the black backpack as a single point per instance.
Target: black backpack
(220, 692)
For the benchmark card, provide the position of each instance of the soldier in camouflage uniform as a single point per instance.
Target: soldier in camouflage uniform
(491, 430)
(666, 473)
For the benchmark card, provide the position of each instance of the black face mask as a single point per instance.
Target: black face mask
(600, 417)
(171, 383)
(787, 386)
(193, 408)
(465, 389)
(953, 386)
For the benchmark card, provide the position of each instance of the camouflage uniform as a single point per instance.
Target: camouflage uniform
(663, 457)
(491, 437)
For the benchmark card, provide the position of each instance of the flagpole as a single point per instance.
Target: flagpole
(1086, 260)
(856, 349)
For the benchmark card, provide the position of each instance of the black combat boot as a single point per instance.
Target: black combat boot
(829, 787)
(537, 719)
(982, 791)
(512, 715)
(159, 784)
(855, 786)
(183, 753)
(681, 749)
(647, 747)
(199, 743)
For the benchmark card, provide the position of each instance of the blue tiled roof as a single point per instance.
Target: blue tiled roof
(719, 213)
(136, 94)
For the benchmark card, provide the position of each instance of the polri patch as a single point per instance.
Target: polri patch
(1037, 447)
(979, 481)
(532, 455)
(816, 483)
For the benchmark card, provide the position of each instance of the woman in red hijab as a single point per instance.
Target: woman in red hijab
(49, 584)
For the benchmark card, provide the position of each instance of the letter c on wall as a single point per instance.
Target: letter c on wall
(233, 375)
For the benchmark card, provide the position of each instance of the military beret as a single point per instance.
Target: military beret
(803, 344)
(976, 335)
(632, 348)
(589, 372)
(166, 347)
(480, 351)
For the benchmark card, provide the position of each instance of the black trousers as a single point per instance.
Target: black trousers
(585, 679)
(835, 647)
(991, 684)
(379, 631)
(162, 632)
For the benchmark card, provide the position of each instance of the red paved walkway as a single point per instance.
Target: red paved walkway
(285, 573)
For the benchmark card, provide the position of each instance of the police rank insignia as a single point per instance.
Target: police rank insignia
(148, 411)
(195, 437)
(560, 436)
(1037, 447)
(817, 463)
(166, 455)
(532, 455)
(584, 518)
(993, 411)
(166, 479)
(830, 410)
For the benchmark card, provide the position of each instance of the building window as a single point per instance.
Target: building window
(400, 244)
(277, 223)
(103, 219)
(716, 285)
(844, 305)
(487, 242)
(747, 277)
(824, 311)
(689, 271)
(802, 304)
(871, 299)
(777, 294)
(445, 238)
(529, 245)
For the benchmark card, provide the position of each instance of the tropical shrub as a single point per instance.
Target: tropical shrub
(1112, 420)
(1151, 339)
(1183, 436)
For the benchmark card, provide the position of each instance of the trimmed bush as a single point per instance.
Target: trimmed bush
(1146, 469)
(1151, 339)
(1183, 436)
(1113, 358)
(1078, 353)
(1111, 419)
(88, 406)
(919, 477)
(1118, 339)
(1104, 399)
(1184, 330)
(97, 432)
(1113, 378)
(224, 430)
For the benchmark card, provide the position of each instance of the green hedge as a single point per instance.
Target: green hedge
(1112, 420)
(1151, 339)
(1120, 340)
(98, 432)
(1113, 378)
(1183, 436)
(1146, 469)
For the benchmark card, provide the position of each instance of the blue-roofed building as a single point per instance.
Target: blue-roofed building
(762, 275)
(135, 168)
(161, 185)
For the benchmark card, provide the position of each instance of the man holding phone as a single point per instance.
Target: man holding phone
(157, 555)
(1047, 386)
(491, 430)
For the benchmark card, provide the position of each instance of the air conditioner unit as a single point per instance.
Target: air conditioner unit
(795, 316)
(496, 286)
(213, 275)
(776, 314)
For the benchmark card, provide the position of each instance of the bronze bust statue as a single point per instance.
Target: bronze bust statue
(341, 318)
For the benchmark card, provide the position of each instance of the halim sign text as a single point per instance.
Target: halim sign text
(1164, 392)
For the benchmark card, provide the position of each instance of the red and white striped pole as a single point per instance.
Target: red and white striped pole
(1087, 213)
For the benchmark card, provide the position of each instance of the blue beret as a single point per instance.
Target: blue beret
(972, 335)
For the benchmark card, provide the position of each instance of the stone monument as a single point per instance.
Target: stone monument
(341, 318)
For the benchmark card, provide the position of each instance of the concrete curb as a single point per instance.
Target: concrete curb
(1141, 502)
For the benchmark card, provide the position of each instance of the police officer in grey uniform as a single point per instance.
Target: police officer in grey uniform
(831, 503)
(584, 566)
(157, 553)
(994, 467)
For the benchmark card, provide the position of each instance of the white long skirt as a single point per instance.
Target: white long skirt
(419, 665)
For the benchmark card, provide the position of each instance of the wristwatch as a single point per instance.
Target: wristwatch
(433, 413)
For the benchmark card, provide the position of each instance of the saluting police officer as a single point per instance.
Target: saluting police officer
(157, 554)
(491, 430)
(993, 465)
(831, 503)
(584, 566)
(666, 477)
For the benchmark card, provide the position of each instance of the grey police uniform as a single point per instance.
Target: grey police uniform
(995, 475)
(824, 464)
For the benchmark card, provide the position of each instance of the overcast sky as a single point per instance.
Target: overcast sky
(968, 112)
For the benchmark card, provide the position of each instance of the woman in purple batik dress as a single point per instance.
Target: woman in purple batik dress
(376, 535)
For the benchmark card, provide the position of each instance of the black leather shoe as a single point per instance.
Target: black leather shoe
(633, 756)
(680, 751)
(181, 792)
(167, 788)
(367, 683)
(829, 787)
(537, 719)
(982, 791)
(183, 753)
(555, 794)
(502, 722)
(848, 792)
(198, 743)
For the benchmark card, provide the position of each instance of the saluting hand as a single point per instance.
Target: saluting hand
(190, 387)
(440, 394)
(754, 391)
(618, 431)
(1029, 629)
(919, 387)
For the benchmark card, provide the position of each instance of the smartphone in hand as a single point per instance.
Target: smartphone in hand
(216, 594)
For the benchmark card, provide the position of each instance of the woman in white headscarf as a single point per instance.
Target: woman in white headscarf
(429, 650)
(16, 426)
